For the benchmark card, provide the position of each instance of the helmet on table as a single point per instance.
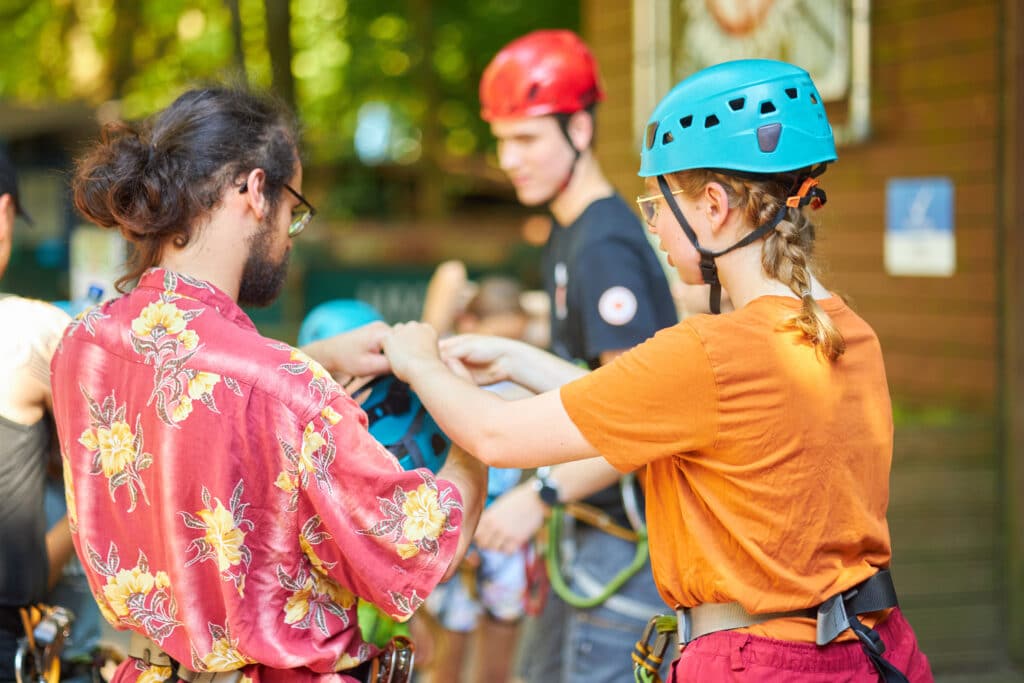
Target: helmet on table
(397, 417)
(544, 72)
(747, 117)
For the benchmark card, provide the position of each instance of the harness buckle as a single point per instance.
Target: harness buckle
(832, 619)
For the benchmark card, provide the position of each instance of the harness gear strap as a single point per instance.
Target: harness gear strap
(647, 656)
(840, 612)
(808, 193)
(833, 616)
(394, 664)
(561, 586)
(37, 659)
(602, 520)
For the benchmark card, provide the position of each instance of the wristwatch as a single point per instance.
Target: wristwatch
(546, 488)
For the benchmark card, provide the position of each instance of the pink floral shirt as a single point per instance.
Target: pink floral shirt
(225, 496)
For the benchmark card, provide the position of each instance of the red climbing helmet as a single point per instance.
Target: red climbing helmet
(544, 72)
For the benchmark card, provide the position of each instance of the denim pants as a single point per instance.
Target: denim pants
(569, 645)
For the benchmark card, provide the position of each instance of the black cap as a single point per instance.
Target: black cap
(9, 185)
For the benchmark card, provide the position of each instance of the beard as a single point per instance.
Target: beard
(262, 278)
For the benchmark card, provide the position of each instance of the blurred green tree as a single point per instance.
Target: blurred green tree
(402, 74)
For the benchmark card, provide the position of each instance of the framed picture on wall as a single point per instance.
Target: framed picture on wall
(813, 34)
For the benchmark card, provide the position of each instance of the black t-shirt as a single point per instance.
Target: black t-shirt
(607, 288)
(608, 292)
(24, 567)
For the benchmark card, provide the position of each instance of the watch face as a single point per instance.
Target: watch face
(548, 494)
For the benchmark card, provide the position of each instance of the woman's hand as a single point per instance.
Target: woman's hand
(488, 359)
(410, 347)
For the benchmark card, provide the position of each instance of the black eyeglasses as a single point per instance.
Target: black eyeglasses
(302, 214)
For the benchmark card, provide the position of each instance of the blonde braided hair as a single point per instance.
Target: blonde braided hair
(788, 250)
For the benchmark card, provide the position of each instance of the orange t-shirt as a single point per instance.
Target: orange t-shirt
(767, 466)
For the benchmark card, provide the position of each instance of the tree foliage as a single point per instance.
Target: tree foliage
(414, 64)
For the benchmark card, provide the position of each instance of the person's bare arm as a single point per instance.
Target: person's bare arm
(59, 549)
(469, 476)
(516, 516)
(493, 359)
(445, 296)
(528, 433)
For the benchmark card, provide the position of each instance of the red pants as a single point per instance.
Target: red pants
(731, 656)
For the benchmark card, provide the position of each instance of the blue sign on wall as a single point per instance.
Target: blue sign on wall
(919, 237)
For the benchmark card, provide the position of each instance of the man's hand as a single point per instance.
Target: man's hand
(354, 353)
(511, 520)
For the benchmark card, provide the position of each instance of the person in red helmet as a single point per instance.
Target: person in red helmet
(608, 293)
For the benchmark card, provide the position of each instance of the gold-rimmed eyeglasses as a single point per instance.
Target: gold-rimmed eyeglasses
(302, 214)
(649, 205)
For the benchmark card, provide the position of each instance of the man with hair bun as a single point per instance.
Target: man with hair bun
(224, 495)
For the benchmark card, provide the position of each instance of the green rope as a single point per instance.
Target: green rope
(558, 583)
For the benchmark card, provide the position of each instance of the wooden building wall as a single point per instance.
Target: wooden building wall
(937, 84)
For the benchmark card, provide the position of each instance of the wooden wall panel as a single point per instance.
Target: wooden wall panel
(935, 111)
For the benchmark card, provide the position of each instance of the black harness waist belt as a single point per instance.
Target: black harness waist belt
(832, 616)
(874, 594)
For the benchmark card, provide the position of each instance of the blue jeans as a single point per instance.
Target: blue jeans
(569, 645)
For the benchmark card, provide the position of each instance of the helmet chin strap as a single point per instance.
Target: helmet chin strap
(563, 125)
(708, 268)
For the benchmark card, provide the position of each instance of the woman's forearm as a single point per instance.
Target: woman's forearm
(539, 370)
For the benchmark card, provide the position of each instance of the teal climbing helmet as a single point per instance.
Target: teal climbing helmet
(750, 115)
(395, 415)
(334, 317)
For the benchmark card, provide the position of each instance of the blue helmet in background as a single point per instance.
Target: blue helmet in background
(750, 115)
(397, 418)
(400, 422)
(334, 317)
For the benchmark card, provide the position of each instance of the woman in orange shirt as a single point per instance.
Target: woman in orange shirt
(764, 435)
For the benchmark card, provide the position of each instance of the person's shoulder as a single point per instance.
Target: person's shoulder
(273, 367)
(32, 316)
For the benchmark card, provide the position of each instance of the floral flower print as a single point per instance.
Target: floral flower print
(152, 673)
(314, 456)
(224, 654)
(69, 494)
(223, 540)
(419, 517)
(117, 452)
(161, 335)
(159, 319)
(135, 597)
(320, 384)
(424, 517)
(315, 595)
